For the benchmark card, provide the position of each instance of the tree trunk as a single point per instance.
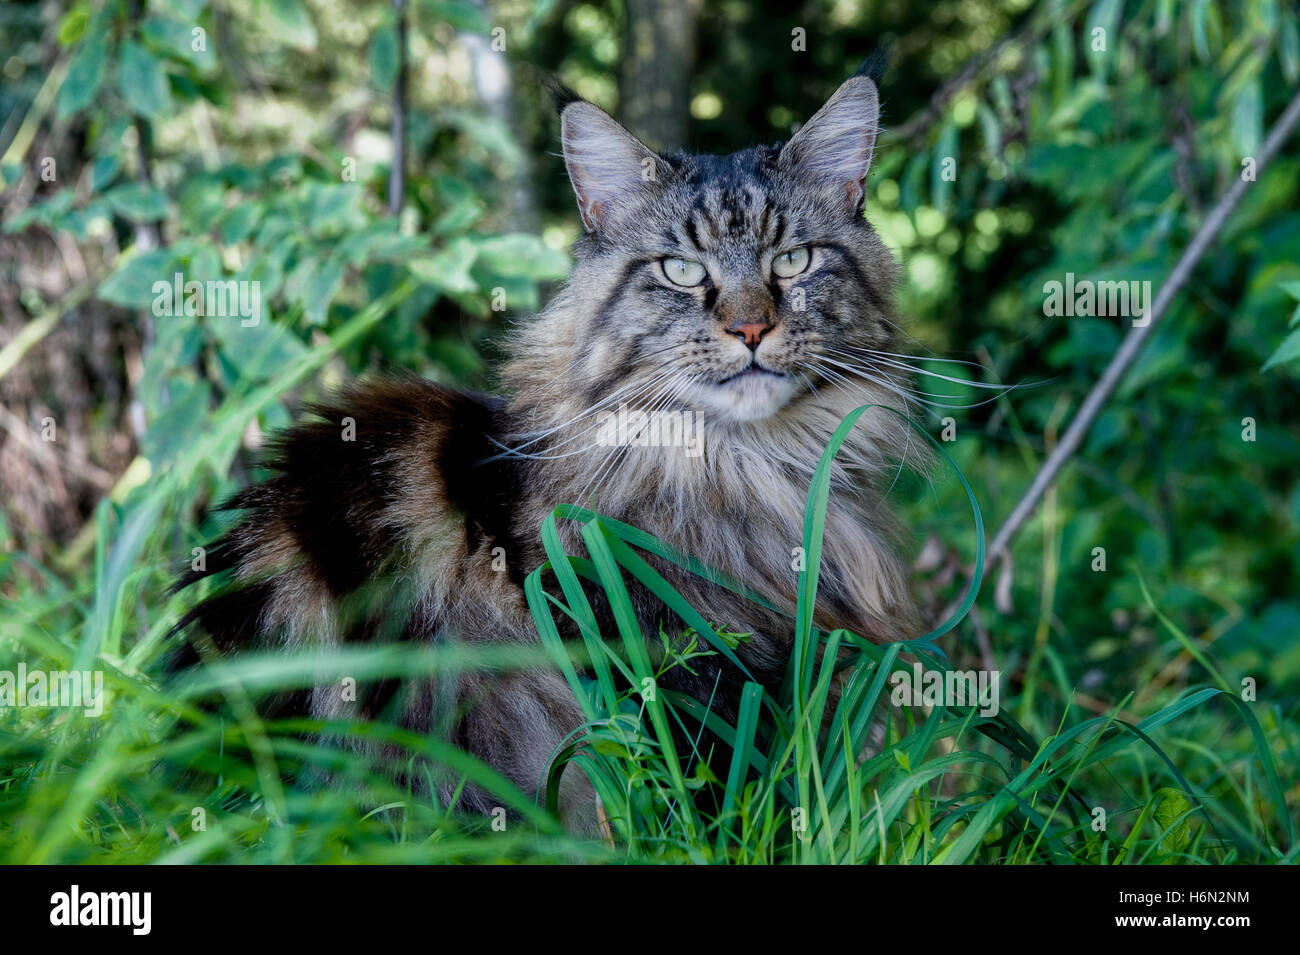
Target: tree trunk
(491, 73)
(658, 57)
(397, 174)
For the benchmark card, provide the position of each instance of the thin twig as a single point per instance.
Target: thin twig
(1137, 337)
(33, 331)
(1029, 34)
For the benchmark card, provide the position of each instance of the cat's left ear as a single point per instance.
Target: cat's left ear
(835, 146)
(608, 166)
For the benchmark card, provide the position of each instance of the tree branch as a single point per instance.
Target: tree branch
(1137, 337)
(1033, 30)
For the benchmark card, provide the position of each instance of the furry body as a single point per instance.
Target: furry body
(396, 531)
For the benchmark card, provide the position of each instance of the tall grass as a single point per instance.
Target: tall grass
(947, 785)
(804, 775)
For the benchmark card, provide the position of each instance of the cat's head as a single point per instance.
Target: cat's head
(734, 285)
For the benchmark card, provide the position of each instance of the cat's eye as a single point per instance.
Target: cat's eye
(789, 264)
(683, 271)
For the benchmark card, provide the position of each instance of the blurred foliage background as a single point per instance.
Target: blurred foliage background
(254, 139)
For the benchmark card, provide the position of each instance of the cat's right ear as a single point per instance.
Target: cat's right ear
(835, 146)
(607, 165)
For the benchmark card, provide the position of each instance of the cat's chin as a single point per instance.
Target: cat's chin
(752, 396)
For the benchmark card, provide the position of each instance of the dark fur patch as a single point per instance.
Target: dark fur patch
(479, 483)
(560, 94)
(331, 497)
(875, 64)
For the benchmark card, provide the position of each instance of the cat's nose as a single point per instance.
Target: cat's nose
(751, 333)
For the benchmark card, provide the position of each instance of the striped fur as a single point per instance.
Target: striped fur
(393, 535)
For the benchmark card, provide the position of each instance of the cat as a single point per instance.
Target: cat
(747, 291)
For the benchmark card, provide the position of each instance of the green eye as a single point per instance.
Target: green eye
(683, 271)
(789, 264)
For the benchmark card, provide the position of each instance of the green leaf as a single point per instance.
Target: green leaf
(187, 10)
(459, 13)
(205, 264)
(104, 171)
(202, 202)
(1063, 61)
(1288, 48)
(288, 21)
(313, 285)
(519, 253)
(1164, 16)
(131, 284)
(257, 351)
(990, 129)
(541, 10)
(1200, 14)
(384, 56)
(1288, 351)
(1248, 117)
(176, 40)
(84, 76)
(46, 212)
(483, 132)
(239, 222)
(173, 431)
(142, 81)
(334, 208)
(449, 269)
(268, 271)
(377, 242)
(137, 202)
(1103, 15)
(72, 27)
(945, 162)
(1171, 811)
(177, 345)
(463, 205)
(909, 184)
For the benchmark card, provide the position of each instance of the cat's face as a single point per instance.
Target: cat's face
(734, 285)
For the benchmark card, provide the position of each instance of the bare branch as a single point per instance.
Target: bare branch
(1036, 27)
(1137, 337)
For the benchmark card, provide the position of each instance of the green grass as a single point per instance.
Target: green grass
(1197, 775)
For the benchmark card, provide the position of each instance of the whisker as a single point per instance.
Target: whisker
(888, 359)
(866, 371)
(664, 394)
(921, 397)
(890, 354)
(907, 444)
(628, 391)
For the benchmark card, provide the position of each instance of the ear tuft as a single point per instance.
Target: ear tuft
(560, 94)
(875, 64)
(607, 165)
(836, 145)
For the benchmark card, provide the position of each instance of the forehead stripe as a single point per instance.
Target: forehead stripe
(691, 232)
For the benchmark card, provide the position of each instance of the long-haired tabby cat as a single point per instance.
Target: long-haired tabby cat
(748, 290)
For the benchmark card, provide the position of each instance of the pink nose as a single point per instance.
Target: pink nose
(751, 332)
